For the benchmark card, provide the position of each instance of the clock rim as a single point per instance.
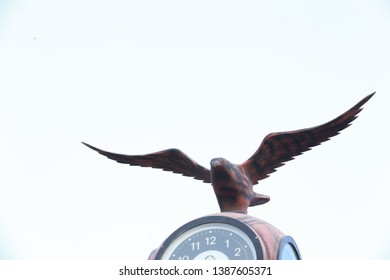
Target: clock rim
(288, 240)
(246, 229)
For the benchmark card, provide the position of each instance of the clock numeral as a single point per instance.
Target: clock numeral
(185, 257)
(210, 240)
(227, 243)
(195, 246)
(237, 252)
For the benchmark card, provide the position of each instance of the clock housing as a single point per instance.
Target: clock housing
(227, 236)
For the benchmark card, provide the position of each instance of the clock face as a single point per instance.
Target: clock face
(212, 238)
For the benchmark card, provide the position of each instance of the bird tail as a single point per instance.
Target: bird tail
(259, 199)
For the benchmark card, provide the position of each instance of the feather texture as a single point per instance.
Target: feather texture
(278, 148)
(232, 183)
(172, 160)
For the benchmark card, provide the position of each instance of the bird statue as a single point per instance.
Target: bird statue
(233, 183)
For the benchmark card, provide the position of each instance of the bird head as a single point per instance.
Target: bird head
(221, 168)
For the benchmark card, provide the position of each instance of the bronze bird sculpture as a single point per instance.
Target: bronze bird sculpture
(233, 183)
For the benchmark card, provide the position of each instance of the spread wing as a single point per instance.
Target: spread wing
(278, 148)
(169, 160)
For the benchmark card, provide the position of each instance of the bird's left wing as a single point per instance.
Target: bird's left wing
(169, 160)
(278, 148)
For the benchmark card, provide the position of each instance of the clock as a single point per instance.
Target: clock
(211, 238)
(227, 236)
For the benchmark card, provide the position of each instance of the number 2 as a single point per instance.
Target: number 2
(237, 252)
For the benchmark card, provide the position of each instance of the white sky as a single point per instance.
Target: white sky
(211, 78)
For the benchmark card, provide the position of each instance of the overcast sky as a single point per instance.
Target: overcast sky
(211, 78)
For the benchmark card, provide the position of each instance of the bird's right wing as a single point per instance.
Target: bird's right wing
(169, 160)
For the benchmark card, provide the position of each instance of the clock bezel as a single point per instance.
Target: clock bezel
(247, 230)
(285, 241)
